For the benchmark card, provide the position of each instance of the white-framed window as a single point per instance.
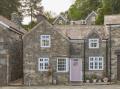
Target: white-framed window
(93, 43)
(43, 64)
(83, 22)
(93, 19)
(45, 41)
(62, 65)
(96, 63)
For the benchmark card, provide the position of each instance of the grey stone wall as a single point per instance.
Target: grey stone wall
(33, 51)
(10, 56)
(101, 51)
(115, 36)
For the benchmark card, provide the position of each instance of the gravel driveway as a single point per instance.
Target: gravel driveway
(66, 87)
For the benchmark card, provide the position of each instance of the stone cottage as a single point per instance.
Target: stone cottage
(65, 54)
(10, 51)
(60, 20)
(89, 20)
(41, 47)
(112, 23)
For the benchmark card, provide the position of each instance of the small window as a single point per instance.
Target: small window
(83, 22)
(93, 19)
(62, 65)
(43, 64)
(45, 41)
(93, 43)
(95, 63)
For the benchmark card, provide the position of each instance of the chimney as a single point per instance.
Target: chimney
(16, 19)
(40, 16)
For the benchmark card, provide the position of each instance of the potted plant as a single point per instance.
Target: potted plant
(49, 74)
(94, 78)
(87, 79)
(99, 79)
(105, 79)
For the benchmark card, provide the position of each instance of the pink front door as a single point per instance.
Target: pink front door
(75, 69)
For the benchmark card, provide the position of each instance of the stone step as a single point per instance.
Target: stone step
(76, 83)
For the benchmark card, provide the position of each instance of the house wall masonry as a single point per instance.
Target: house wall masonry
(115, 37)
(10, 56)
(70, 41)
(33, 51)
(61, 47)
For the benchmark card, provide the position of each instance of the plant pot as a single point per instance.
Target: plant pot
(54, 81)
(94, 80)
(99, 80)
(105, 80)
(87, 81)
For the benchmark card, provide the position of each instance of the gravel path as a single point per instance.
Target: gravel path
(66, 87)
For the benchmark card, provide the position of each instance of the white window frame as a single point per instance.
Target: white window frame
(83, 22)
(43, 62)
(67, 65)
(92, 41)
(96, 60)
(41, 40)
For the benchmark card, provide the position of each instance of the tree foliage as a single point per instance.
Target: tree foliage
(7, 7)
(50, 16)
(33, 7)
(29, 26)
(81, 8)
(108, 7)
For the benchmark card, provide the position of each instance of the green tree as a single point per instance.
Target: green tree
(108, 7)
(7, 7)
(49, 16)
(29, 26)
(33, 7)
(81, 8)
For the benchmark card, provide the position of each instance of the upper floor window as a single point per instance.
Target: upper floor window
(93, 43)
(83, 22)
(45, 40)
(96, 63)
(43, 64)
(93, 19)
(62, 65)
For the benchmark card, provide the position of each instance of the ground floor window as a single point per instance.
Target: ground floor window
(62, 65)
(43, 64)
(96, 63)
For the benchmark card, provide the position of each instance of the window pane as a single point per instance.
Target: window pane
(93, 43)
(46, 65)
(45, 39)
(61, 64)
(41, 59)
(96, 63)
(43, 64)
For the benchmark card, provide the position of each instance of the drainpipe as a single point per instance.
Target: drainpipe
(106, 57)
(7, 70)
(22, 56)
(84, 60)
(110, 42)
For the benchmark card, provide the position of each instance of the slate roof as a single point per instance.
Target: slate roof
(82, 31)
(62, 17)
(92, 13)
(12, 25)
(112, 19)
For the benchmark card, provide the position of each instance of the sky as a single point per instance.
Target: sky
(55, 6)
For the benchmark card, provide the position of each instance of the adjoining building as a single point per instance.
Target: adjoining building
(71, 53)
(11, 52)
